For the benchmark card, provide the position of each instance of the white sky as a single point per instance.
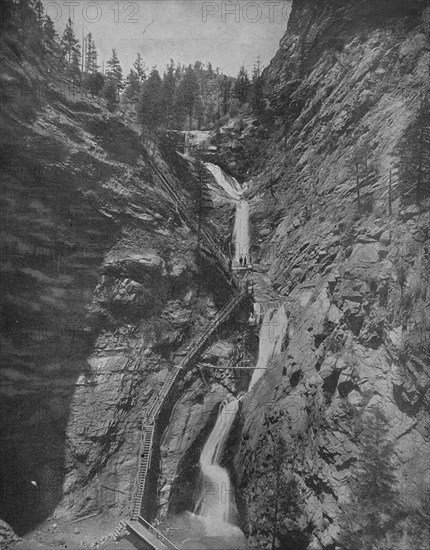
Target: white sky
(227, 33)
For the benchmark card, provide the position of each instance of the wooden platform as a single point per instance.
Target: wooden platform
(153, 541)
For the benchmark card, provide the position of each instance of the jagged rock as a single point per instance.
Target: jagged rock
(321, 387)
(363, 257)
(385, 238)
(8, 538)
(410, 212)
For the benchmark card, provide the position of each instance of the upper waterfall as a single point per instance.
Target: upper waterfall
(241, 232)
(215, 500)
(230, 184)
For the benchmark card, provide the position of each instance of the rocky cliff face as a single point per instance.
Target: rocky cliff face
(101, 291)
(344, 238)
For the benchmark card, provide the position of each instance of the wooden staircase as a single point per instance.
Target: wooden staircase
(137, 524)
(149, 422)
(119, 530)
(144, 464)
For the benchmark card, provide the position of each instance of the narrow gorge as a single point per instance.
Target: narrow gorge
(218, 338)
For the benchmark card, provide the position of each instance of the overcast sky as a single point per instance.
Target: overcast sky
(226, 33)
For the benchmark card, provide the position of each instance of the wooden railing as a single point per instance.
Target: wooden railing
(157, 533)
(150, 419)
(145, 455)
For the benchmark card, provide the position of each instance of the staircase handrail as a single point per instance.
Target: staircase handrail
(157, 533)
(148, 422)
(151, 416)
(134, 504)
(194, 347)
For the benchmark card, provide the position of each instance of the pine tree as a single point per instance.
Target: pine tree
(242, 84)
(109, 92)
(150, 110)
(90, 63)
(188, 93)
(94, 83)
(210, 113)
(225, 93)
(75, 66)
(140, 69)
(414, 172)
(32, 20)
(114, 70)
(135, 79)
(49, 29)
(169, 92)
(257, 102)
(132, 87)
(69, 42)
(374, 509)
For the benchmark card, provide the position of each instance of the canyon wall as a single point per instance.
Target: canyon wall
(102, 289)
(341, 218)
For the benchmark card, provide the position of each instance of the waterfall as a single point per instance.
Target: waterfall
(241, 225)
(216, 501)
(241, 231)
(215, 505)
(230, 185)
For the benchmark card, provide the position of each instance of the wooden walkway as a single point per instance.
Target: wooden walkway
(153, 538)
(149, 422)
(150, 535)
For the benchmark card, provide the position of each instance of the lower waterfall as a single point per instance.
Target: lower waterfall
(215, 505)
(215, 501)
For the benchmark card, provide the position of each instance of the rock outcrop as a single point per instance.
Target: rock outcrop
(348, 83)
(102, 290)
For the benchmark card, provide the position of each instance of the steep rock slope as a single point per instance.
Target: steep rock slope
(101, 290)
(349, 88)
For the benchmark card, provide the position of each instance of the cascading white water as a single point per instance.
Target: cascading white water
(215, 504)
(230, 185)
(241, 223)
(241, 232)
(216, 501)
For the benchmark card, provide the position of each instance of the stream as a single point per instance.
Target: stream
(215, 508)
